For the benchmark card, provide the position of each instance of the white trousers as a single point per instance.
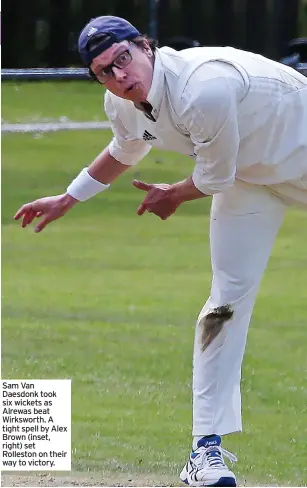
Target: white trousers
(244, 223)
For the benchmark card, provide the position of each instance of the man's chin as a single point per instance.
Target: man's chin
(135, 93)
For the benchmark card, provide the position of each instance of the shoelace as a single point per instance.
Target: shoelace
(232, 457)
(214, 456)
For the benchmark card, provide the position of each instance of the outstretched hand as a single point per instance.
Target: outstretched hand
(49, 208)
(160, 199)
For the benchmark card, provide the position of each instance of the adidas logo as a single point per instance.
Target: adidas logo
(148, 137)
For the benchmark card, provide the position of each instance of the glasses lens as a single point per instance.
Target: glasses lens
(123, 60)
(120, 62)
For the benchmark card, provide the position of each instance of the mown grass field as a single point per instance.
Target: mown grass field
(109, 299)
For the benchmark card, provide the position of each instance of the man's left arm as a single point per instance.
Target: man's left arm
(210, 116)
(163, 199)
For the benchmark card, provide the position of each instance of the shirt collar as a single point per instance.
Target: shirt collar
(156, 91)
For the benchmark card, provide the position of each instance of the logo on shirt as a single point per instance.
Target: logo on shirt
(148, 137)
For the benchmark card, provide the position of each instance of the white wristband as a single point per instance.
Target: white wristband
(84, 186)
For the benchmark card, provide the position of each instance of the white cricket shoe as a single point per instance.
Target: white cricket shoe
(206, 466)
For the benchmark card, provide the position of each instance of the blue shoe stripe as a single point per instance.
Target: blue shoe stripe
(225, 481)
(194, 454)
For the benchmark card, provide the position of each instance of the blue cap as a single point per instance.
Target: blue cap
(116, 29)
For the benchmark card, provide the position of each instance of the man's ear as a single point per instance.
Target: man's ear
(147, 48)
(149, 52)
(93, 76)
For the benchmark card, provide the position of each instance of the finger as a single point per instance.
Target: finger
(21, 211)
(43, 223)
(142, 209)
(141, 185)
(157, 213)
(28, 217)
(160, 212)
(24, 220)
(33, 215)
(163, 216)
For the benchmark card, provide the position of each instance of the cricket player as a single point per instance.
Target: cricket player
(241, 119)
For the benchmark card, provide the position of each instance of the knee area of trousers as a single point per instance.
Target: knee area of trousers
(212, 322)
(236, 293)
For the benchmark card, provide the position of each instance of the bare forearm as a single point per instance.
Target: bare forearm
(105, 168)
(185, 190)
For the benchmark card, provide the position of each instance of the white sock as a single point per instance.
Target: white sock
(195, 440)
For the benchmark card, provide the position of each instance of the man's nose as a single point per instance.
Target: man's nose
(119, 74)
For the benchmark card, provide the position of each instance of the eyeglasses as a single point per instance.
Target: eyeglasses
(121, 61)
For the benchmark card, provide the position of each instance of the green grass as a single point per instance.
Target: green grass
(35, 101)
(109, 299)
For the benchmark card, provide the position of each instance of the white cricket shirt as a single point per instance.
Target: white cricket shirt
(237, 114)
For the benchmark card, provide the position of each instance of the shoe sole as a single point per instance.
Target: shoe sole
(224, 481)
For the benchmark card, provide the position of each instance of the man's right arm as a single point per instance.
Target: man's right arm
(105, 168)
(97, 177)
(123, 151)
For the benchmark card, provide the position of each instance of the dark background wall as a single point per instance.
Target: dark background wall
(44, 33)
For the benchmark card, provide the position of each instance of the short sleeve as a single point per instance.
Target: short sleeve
(124, 147)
